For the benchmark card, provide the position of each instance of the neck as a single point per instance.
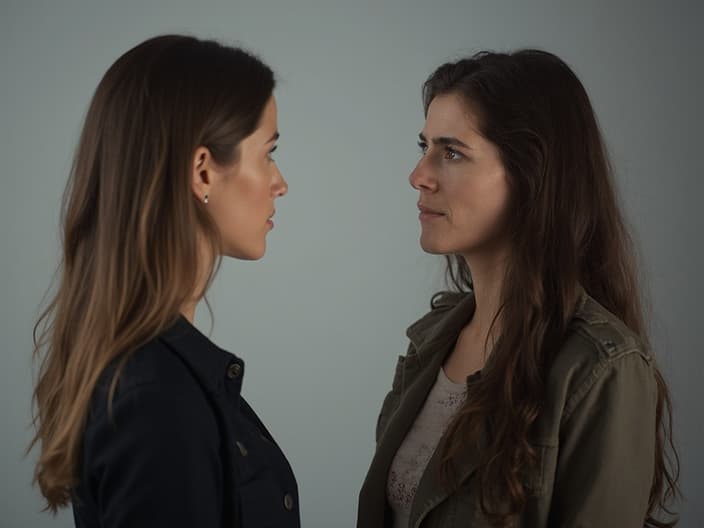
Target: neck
(487, 280)
(188, 310)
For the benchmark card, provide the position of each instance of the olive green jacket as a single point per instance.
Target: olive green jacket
(595, 436)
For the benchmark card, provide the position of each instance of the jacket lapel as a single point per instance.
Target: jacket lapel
(373, 493)
(431, 343)
(431, 490)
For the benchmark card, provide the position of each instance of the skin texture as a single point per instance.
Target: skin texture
(464, 197)
(465, 185)
(241, 196)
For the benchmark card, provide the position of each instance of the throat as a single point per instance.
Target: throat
(468, 355)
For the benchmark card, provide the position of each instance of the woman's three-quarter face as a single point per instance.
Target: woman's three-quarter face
(462, 183)
(242, 199)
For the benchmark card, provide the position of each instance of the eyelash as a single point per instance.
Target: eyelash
(269, 155)
(456, 156)
(450, 153)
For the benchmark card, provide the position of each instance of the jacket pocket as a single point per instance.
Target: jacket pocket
(538, 480)
(463, 507)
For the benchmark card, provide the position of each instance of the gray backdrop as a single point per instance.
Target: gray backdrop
(321, 319)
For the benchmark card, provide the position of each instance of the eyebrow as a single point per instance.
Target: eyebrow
(274, 137)
(445, 140)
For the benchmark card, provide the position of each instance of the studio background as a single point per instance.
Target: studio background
(321, 319)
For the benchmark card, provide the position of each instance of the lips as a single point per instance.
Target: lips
(428, 214)
(427, 210)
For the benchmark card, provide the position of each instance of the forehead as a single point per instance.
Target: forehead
(449, 116)
(266, 127)
(269, 114)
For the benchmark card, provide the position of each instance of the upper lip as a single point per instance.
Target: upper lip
(272, 214)
(425, 209)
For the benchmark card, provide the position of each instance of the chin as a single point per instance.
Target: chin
(433, 247)
(254, 253)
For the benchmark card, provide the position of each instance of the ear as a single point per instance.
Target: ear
(202, 174)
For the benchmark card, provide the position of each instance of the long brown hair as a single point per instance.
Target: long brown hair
(131, 225)
(566, 230)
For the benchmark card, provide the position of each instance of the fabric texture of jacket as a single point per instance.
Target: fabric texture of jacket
(182, 447)
(595, 436)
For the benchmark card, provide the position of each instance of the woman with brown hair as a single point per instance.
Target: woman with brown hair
(139, 416)
(529, 395)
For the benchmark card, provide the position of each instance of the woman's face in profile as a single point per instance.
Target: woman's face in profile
(242, 196)
(462, 182)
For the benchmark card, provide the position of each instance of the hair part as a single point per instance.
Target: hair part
(133, 231)
(565, 230)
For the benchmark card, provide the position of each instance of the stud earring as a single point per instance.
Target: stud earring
(205, 198)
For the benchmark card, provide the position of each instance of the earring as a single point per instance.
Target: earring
(205, 198)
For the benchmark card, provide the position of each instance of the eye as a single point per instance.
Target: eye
(423, 147)
(269, 154)
(452, 155)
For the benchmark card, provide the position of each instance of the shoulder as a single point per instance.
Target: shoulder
(158, 412)
(596, 336)
(599, 349)
(159, 442)
(610, 336)
(152, 378)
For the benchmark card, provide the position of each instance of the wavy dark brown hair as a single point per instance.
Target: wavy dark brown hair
(566, 230)
(132, 229)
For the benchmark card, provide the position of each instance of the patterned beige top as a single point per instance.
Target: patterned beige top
(444, 399)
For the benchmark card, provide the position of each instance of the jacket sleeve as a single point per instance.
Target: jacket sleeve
(607, 448)
(156, 461)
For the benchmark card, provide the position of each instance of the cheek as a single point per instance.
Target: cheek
(249, 196)
(480, 202)
(242, 220)
(496, 200)
(233, 210)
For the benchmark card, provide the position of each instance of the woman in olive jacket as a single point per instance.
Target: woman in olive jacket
(140, 418)
(529, 396)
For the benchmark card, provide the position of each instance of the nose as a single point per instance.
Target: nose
(280, 186)
(422, 177)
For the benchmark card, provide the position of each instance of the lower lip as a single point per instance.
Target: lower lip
(426, 217)
(270, 223)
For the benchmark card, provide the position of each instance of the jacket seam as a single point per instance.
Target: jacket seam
(604, 364)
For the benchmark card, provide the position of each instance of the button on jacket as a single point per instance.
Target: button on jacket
(182, 448)
(595, 436)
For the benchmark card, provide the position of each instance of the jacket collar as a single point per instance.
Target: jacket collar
(209, 363)
(588, 309)
(431, 491)
(432, 337)
(440, 328)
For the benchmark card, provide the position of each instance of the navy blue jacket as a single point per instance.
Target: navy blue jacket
(182, 448)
